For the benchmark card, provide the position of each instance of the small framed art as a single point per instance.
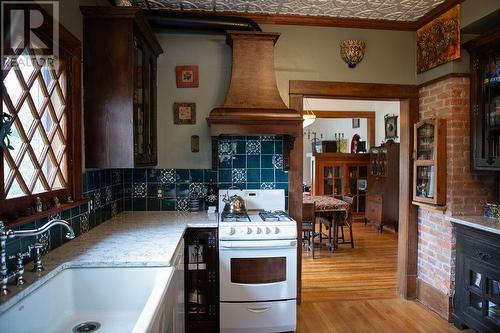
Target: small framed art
(184, 113)
(391, 126)
(186, 76)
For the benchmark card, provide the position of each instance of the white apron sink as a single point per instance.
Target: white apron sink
(119, 299)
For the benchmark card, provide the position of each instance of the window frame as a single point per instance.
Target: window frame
(16, 211)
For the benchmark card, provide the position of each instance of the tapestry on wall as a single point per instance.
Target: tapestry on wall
(438, 41)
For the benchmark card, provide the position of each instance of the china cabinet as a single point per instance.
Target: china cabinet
(477, 291)
(429, 173)
(485, 101)
(338, 175)
(201, 266)
(382, 199)
(120, 54)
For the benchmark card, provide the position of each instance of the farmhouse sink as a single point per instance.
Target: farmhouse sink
(82, 299)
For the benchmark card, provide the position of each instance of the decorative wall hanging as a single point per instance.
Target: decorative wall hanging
(186, 76)
(438, 41)
(391, 127)
(184, 113)
(352, 51)
(195, 144)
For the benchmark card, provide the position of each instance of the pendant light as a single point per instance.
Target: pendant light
(308, 116)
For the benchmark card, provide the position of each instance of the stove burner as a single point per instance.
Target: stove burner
(235, 217)
(277, 215)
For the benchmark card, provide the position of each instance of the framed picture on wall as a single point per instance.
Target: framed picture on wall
(186, 76)
(184, 113)
(355, 122)
(391, 126)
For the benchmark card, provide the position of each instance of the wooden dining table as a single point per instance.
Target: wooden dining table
(329, 208)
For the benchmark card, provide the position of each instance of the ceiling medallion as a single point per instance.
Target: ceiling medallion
(352, 51)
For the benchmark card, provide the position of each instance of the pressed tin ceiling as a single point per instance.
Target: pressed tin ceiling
(394, 10)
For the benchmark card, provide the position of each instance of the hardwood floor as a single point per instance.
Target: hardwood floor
(354, 290)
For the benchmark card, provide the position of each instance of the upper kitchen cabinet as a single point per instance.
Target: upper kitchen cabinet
(485, 101)
(120, 54)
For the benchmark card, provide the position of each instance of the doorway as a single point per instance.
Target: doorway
(407, 95)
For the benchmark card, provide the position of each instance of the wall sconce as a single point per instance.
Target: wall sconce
(352, 51)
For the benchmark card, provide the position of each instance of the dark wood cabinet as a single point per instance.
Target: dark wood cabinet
(201, 280)
(120, 54)
(477, 290)
(382, 193)
(485, 101)
(340, 174)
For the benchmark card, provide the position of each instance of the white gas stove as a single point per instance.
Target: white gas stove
(265, 218)
(258, 264)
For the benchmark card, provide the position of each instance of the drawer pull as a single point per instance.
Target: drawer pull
(259, 309)
(483, 255)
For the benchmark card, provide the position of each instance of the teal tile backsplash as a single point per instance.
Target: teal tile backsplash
(246, 162)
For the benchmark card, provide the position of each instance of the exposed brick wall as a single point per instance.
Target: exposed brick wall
(466, 191)
(436, 251)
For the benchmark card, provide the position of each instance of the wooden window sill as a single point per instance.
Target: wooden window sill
(45, 213)
(431, 207)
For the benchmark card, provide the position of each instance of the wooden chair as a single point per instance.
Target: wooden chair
(344, 221)
(308, 225)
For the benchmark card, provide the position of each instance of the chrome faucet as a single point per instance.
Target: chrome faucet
(5, 234)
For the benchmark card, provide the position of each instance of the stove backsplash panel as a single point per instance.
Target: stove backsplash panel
(247, 162)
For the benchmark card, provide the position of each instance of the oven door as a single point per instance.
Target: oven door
(264, 270)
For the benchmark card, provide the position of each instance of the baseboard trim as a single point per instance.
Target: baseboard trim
(435, 300)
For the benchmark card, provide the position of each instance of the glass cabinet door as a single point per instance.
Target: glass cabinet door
(425, 142)
(144, 110)
(491, 105)
(332, 182)
(425, 182)
(139, 101)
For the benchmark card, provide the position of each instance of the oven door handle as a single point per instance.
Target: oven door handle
(259, 309)
(258, 244)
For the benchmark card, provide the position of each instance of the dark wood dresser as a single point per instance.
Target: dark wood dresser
(382, 194)
(477, 283)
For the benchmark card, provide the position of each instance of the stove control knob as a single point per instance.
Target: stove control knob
(268, 230)
(231, 231)
(276, 230)
(249, 230)
(259, 230)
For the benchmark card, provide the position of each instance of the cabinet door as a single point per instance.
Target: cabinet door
(144, 104)
(486, 108)
(201, 280)
(333, 180)
(480, 296)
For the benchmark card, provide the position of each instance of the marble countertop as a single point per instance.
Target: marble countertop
(477, 222)
(130, 239)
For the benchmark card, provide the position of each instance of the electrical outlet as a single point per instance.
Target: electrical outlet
(159, 192)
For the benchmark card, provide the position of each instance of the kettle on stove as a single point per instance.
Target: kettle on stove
(234, 204)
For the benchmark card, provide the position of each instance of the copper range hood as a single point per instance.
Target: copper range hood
(253, 105)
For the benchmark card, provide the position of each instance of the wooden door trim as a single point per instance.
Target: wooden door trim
(408, 226)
